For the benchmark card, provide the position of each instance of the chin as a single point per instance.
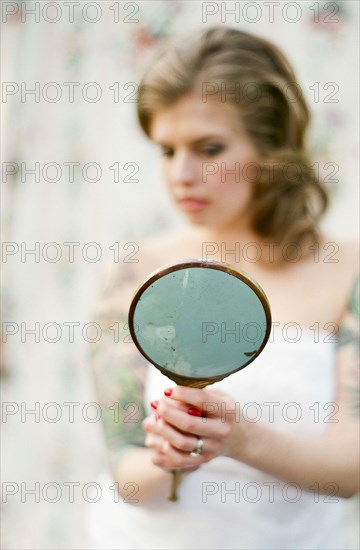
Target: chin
(199, 221)
(208, 219)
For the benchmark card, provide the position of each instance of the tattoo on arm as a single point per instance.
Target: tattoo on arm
(348, 335)
(354, 302)
(119, 371)
(349, 341)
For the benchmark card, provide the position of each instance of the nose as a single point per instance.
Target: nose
(183, 169)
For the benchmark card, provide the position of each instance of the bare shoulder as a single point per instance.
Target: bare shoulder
(162, 242)
(344, 253)
(138, 260)
(132, 265)
(349, 252)
(164, 249)
(327, 278)
(156, 243)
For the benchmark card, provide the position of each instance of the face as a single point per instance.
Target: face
(207, 160)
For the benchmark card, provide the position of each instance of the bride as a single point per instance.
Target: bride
(225, 110)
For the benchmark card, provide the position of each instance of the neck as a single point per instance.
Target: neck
(240, 246)
(226, 236)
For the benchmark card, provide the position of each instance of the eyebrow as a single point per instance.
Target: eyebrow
(197, 141)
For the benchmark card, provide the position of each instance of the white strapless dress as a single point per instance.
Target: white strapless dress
(227, 504)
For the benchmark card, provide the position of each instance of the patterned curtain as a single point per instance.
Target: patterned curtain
(81, 183)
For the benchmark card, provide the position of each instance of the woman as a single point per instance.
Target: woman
(278, 455)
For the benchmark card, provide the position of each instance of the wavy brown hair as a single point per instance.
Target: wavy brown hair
(255, 77)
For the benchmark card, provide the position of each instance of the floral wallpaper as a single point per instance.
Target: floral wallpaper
(80, 183)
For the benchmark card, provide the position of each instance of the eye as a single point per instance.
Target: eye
(167, 151)
(212, 150)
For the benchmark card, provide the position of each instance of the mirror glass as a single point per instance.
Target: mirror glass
(199, 320)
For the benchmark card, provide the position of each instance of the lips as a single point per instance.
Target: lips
(192, 203)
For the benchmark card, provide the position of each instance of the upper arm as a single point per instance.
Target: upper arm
(347, 357)
(119, 370)
(346, 427)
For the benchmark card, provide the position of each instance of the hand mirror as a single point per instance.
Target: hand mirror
(199, 321)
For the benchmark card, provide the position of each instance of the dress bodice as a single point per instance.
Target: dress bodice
(228, 504)
(290, 385)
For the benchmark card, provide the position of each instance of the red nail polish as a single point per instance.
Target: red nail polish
(194, 412)
(154, 404)
(168, 392)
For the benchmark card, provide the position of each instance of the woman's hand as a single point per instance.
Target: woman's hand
(187, 415)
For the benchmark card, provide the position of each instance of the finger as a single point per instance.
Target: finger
(186, 423)
(179, 404)
(163, 461)
(154, 442)
(167, 457)
(150, 423)
(209, 402)
(177, 459)
(181, 441)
